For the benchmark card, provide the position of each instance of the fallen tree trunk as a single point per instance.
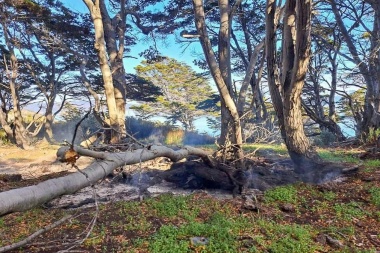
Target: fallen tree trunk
(22, 199)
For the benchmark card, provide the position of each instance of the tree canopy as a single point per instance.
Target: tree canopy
(182, 91)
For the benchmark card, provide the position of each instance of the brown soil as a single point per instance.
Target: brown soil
(40, 165)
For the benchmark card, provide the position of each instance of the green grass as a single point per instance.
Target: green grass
(220, 231)
(288, 238)
(329, 195)
(275, 148)
(285, 194)
(338, 156)
(372, 164)
(170, 206)
(349, 210)
(375, 195)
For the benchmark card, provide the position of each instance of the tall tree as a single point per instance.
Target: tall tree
(286, 91)
(320, 90)
(11, 82)
(221, 72)
(108, 84)
(182, 91)
(356, 32)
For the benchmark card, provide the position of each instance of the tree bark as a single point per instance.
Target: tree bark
(286, 94)
(19, 132)
(114, 28)
(22, 199)
(219, 73)
(370, 71)
(108, 85)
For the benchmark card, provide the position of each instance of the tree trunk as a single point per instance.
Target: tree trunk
(4, 123)
(274, 83)
(116, 54)
(370, 71)
(49, 118)
(19, 133)
(220, 73)
(286, 95)
(108, 85)
(22, 199)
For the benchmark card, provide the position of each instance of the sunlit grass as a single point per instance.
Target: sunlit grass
(338, 156)
(275, 148)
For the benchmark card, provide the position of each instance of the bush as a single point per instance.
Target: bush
(156, 132)
(326, 138)
(174, 137)
(3, 137)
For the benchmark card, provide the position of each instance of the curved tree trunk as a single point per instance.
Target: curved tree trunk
(22, 199)
(230, 116)
(286, 94)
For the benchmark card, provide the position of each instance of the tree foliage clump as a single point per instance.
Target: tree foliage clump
(182, 91)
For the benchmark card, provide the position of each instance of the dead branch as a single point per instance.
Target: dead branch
(22, 199)
(34, 235)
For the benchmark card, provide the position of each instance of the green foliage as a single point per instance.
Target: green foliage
(168, 205)
(219, 231)
(324, 139)
(372, 135)
(288, 238)
(375, 195)
(71, 112)
(182, 91)
(329, 195)
(357, 100)
(349, 210)
(286, 194)
(3, 137)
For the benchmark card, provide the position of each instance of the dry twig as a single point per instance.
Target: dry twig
(34, 235)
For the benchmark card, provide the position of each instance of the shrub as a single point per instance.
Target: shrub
(324, 139)
(174, 137)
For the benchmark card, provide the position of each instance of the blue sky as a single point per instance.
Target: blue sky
(170, 48)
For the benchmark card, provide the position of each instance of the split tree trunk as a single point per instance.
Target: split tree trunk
(22, 199)
(286, 93)
(115, 49)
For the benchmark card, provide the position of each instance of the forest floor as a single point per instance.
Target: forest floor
(338, 216)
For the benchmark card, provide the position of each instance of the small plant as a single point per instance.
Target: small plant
(219, 231)
(138, 223)
(329, 195)
(170, 206)
(373, 164)
(325, 139)
(287, 194)
(287, 238)
(349, 210)
(375, 195)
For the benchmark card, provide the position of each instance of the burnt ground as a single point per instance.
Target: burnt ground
(339, 207)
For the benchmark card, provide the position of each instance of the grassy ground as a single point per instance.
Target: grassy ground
(334, 217)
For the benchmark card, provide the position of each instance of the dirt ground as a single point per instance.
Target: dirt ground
(349, 192)
(34, 163)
